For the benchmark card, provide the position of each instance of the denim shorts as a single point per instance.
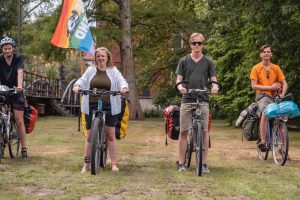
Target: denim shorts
(110, 120)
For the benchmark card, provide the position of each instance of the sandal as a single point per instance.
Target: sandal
(86, 167)
(262, 146)
(114, 168)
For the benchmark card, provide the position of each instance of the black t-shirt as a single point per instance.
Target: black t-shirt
(8, 74)
(196, 73)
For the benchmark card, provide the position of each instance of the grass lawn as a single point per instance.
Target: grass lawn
(147, 167)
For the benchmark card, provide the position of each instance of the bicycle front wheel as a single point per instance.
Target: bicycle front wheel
(103, 149)
(1, 139)
(97, 127)
(189, 148)
(199, 147)
(280, 144)
(13, 140)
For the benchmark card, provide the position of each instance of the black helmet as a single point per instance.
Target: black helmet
(7, 40)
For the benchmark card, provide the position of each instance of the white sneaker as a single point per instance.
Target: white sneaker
(205, 169)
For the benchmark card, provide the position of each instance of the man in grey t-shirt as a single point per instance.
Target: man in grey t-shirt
(197, 69)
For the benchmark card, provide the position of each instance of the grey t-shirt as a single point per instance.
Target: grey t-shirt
(196, 73)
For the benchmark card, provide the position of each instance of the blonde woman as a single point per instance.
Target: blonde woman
(103, 75)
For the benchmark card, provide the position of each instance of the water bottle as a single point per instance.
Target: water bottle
(241, 118)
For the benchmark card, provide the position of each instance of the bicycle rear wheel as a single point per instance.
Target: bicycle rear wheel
(280, 144)
(13, 140)
(263, 155)
(199, 147)
(95, 142)
(189, 148)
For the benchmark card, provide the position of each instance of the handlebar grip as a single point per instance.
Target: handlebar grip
(180, 82)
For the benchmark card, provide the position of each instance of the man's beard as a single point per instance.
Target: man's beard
(8, 55)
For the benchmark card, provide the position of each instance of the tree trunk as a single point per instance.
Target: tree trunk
(135, 111)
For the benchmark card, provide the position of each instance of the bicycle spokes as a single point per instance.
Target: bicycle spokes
(280, 144)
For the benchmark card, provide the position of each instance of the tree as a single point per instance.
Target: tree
(127, 60)
(104, 11)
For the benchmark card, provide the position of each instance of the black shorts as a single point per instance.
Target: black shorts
(18, 101)
(110, 120)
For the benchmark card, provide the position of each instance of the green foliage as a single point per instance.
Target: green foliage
(237, 30)
(153, 113)
(51, 73)
(8, 16)
(159, 25)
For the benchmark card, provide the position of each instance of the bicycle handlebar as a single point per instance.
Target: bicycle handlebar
(99, 92)
(198, 90)
(277, 98)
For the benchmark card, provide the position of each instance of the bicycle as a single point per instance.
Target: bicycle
(196, 142)
(8, 129)
(98, 139)
(277, 139)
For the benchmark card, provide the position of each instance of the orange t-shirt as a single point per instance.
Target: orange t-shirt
(264, 78)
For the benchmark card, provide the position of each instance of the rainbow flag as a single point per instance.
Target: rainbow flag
(73, 30)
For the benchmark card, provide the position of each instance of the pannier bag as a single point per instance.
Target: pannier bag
(122, 119)
(171, 116)
(249, 121)
(287, 108)
(251, 110)
(250, 128)
(30, 117)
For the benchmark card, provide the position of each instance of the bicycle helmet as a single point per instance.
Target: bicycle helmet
(7, 40)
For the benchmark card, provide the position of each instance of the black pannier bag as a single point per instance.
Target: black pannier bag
(249, 121)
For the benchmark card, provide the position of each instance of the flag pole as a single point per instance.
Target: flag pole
(81, 62)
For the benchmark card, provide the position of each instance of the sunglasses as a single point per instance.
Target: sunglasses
(195, 43)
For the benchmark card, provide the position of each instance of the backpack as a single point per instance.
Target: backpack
(122, 120)
(249, 121)
(30, 117)
(171, 117)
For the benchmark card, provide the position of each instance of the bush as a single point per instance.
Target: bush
(152, 113)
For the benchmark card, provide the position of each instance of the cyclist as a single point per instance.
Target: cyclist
(11, 75)
(266, 79)
(102, 76)
(197, 69)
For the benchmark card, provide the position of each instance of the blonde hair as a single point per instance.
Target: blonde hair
(108, 54)
(197, 35)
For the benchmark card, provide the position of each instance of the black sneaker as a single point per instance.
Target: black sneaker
(262, 146)
(24, 154)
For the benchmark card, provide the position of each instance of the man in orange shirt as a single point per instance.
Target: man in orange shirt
(266, 79)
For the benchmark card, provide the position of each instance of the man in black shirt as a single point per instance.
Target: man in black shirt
(11, 75)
